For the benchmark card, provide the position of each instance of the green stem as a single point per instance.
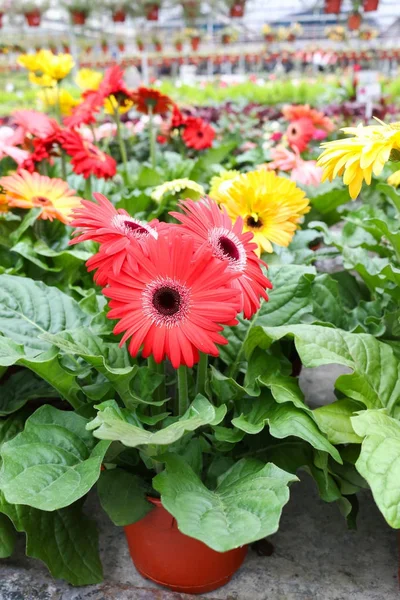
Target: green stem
(152, 139)
(183, 390)
(202, 374)
(63, 166)
(58, 104)
(122, 146)
(88, 188)
(235, 365)
(160, 393)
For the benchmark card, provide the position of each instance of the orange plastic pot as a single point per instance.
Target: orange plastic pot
(161, 553)
(78, 17)
(33, 18)
(119, 16)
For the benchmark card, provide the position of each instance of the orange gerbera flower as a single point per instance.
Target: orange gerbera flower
(31, 190)
(293, 112)
(150, 100)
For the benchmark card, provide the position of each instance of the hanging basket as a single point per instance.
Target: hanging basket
(354, 21)
(33, 18)
(119, 16)
(370, 5)
(191, 9)
(151, 12)
(170, 558)
(78, 17)
(237, 9)
(195, 43)
(332, 6)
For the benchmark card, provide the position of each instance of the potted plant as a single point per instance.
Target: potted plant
(194, 36)
(332, 6)
(121, 44)
(119, 9)
(78, 10)
(140, 42)
(367, 33)
(295, 30)
(157, 42)
(178, 41)
(65, 44)
(32, 11)
(191, 9)
(104, 44)
(151, 9)
(354, 20)
(268, 33)
(237, 8)
(229, 35)
(370, 5)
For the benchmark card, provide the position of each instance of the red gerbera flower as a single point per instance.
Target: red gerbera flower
(88, 159)
(150, 100)
(114, 229)
(34, 123)
(299, 133)
(177, 118)
(198, 134)
(212, 227)
(176, 303)
(44, 148)
(113, 84)
(85, 112)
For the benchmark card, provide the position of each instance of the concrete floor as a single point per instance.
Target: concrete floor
(315, 557)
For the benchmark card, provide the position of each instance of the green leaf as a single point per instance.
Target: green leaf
(122, 496)
(29, 219)
(20, 388)
(65, 540)
(29, 308)
(391, 192)
(379, 461)
(7, 537)
(284, 420)
(46, 365)
(376, 378)
(209, 158)
(53, 462)
(246, 505)
(111, 424)
(335, 420)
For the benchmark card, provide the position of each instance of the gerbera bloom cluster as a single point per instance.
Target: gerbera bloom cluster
(306, 124)
(356, 158)
(195, 132)
(31, 190)
(271, 207)
(48, 66)
(171, 287)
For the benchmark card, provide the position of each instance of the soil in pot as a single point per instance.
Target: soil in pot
(166, 556)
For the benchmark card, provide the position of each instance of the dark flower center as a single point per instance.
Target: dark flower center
(293, 130)
(41, 201)
(166, 301)
(200, 134)
(251, 222)
(229, 248)
(136, 227)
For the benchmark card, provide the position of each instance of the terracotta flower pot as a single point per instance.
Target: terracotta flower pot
(78, 17)
(158, 47)
(354, 21)
(1, 19)
(152, 12)
(269, 38)
(178, 46)
(119, 16)
(370, 5)
(332, 6)
(226, 39)
(140, 46)
(166, 556)
(104, 47)
(195, 43)
(33, 18)
(237, 10)
(66, 49)
(121, 46)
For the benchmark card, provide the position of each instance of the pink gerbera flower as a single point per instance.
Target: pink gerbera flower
(114, 229)
(211, 226)
(299, 133)
(177, 301)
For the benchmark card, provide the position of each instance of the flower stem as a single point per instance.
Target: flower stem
(63, 166)
(183, 390)
(122, 146)
(152, 139)
(202, 374)
(160, 393)
(88, 188)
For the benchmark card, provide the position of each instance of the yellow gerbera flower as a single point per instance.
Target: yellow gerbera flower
(394, 179)
(186, 188)
(30, 62)
(42, 80)
(221, 183)
(111, 103)
(358, 157)
(270, 206)
(88, 79)
(31, 190)
(53, 96)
